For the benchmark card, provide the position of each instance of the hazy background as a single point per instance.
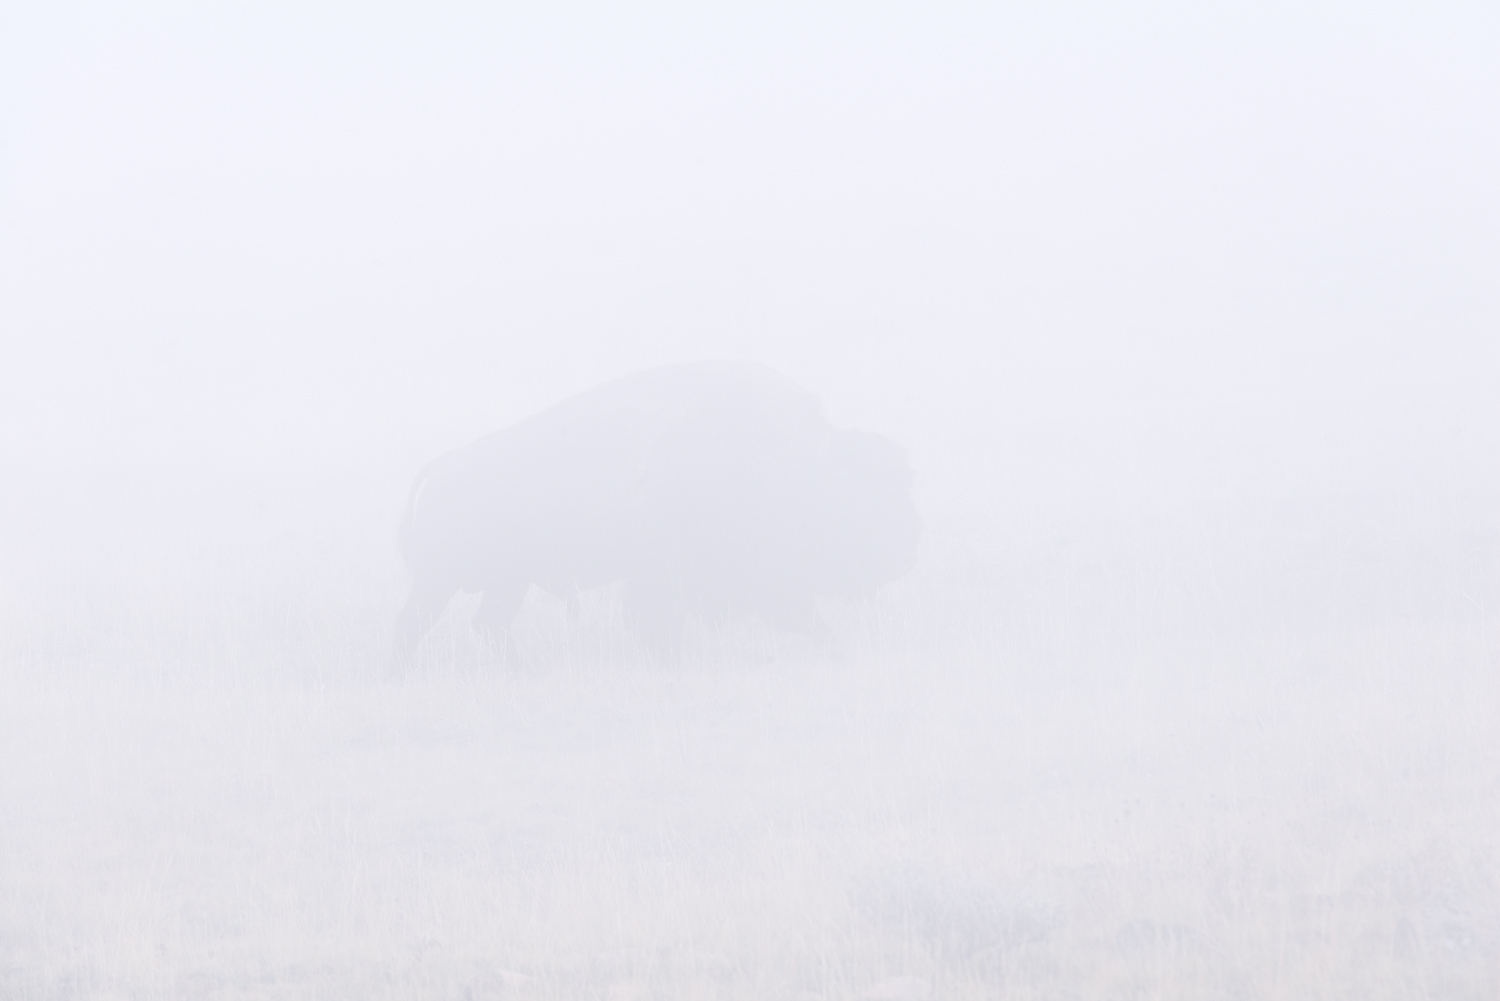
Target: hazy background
(1189, 320)
(1219, 283)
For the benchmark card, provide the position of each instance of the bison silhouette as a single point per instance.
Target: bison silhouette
(712, 489)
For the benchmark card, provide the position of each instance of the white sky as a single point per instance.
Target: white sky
(1076, 256)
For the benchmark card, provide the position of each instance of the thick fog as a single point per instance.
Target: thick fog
(1186, 325)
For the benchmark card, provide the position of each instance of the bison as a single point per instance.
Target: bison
(711, 489)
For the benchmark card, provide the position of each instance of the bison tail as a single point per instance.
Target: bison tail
(409, 517)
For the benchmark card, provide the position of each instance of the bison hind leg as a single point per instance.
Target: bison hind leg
(796, 612)
(794, 616)
(496, 613)
(657, 617)
(423, 606)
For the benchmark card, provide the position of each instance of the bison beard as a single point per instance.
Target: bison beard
(714, 489)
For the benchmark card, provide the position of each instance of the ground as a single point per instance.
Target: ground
(899, 818)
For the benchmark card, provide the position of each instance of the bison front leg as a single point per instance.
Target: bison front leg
(497, 612)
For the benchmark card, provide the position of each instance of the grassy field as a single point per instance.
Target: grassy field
(935, 812)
